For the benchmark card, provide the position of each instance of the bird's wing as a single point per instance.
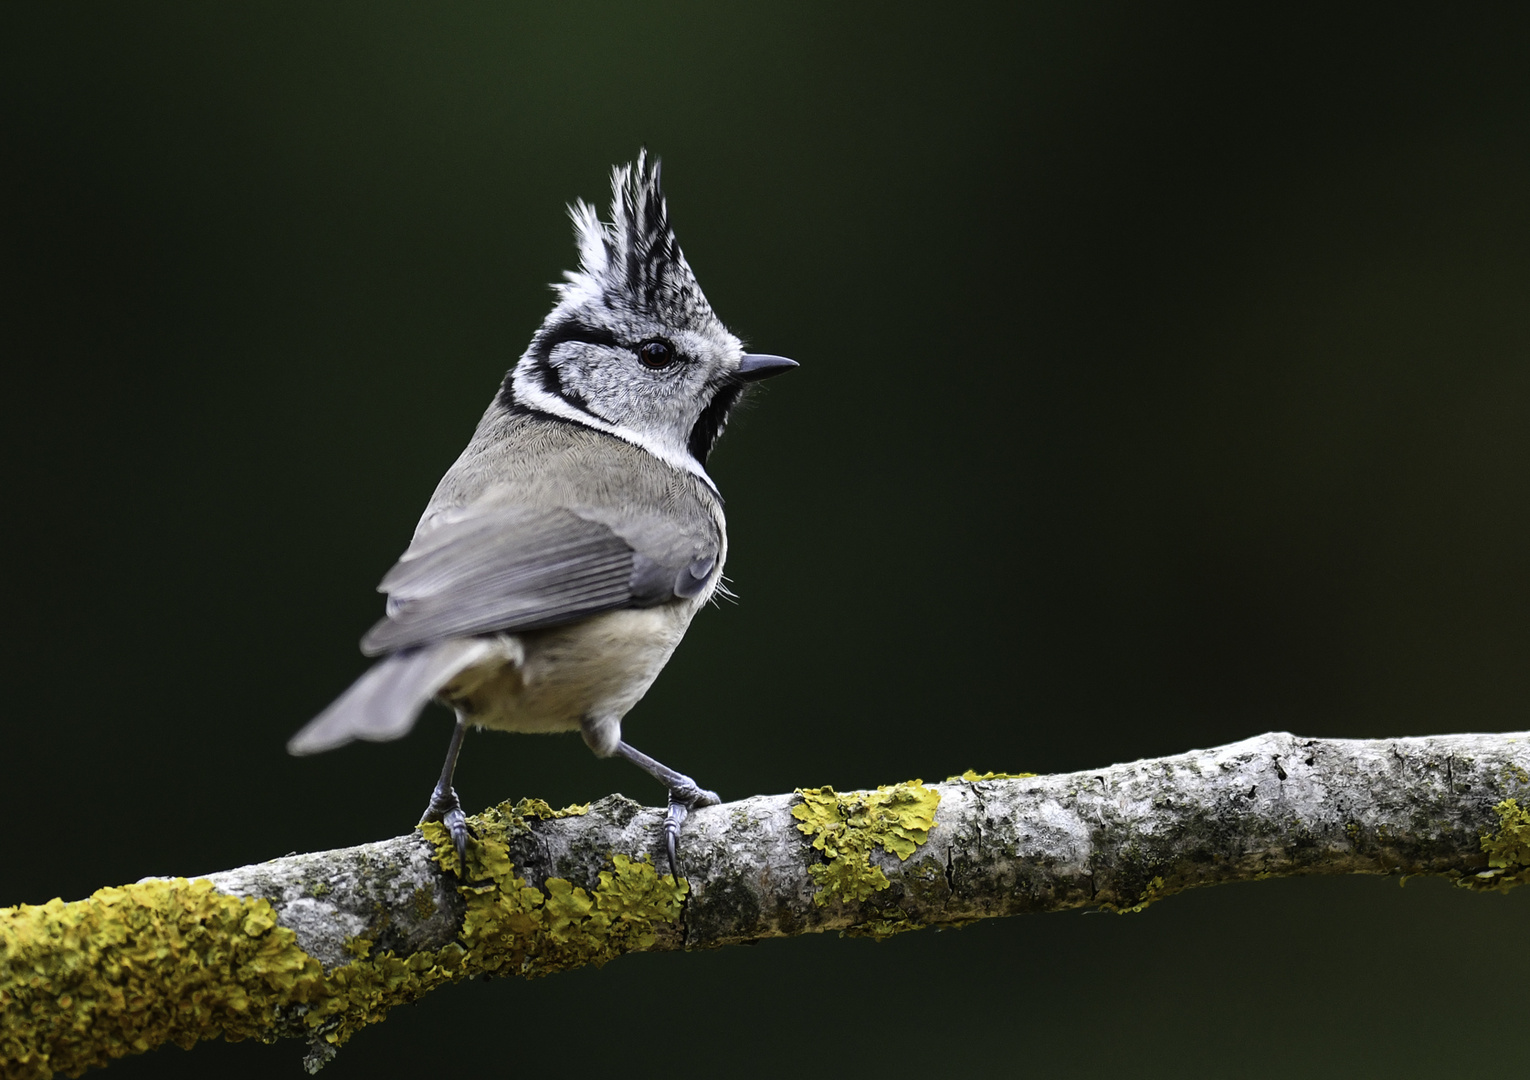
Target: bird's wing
(514, 568)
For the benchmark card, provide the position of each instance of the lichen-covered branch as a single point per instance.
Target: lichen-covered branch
(317, 946)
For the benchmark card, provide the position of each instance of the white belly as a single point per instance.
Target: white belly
(585, 675)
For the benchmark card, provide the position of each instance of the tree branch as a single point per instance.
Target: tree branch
(317, 946)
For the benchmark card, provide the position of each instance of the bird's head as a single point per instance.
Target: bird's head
(633, 347)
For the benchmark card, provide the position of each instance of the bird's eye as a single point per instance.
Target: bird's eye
(656, 354)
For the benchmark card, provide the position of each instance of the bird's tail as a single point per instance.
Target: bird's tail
(385, 702)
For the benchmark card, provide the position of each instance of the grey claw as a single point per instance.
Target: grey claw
(682, 800)
(447, 809)
(678, 812)
(456, 824)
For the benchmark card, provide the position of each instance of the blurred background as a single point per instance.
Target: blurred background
(1164, 382)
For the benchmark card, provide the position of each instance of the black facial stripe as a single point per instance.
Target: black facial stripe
(710, 423)
(547, 377)
(546, 374)
(574, 330)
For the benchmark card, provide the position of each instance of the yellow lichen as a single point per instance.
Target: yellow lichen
(846, 828)
(972, 776)
(177, 961)
(133, 967)
(1508, 851)
(514, 928)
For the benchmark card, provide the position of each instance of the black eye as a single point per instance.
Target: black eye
(656, 354)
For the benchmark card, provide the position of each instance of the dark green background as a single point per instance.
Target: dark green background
(1164, 382)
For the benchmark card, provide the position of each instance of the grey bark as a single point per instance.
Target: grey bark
(1269, 806)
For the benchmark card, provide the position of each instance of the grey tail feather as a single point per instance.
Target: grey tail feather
(385, 702)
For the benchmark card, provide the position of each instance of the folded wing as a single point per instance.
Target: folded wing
(516, 568)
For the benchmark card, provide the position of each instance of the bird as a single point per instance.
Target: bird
(562, 557)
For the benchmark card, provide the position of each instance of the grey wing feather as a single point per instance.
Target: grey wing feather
(385, 702)
(515, 568)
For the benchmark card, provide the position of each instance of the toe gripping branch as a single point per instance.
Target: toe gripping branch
(682, 800)
(446, 808)
(685, 795)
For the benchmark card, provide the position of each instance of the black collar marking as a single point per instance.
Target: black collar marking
(710, 423)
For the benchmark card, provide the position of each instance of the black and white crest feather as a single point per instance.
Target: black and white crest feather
(634, 260)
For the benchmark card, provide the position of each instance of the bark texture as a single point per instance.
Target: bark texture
(364, 928)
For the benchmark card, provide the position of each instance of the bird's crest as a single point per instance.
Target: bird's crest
(634, 260)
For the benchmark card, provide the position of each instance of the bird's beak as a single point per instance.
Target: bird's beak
(756, 366)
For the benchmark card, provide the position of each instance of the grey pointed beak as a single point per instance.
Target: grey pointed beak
(756, 366)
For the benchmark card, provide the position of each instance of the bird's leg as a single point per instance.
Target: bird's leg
(444, 805)
(684, 795)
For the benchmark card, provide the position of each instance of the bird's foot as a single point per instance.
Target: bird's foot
(683, 798)
(446, 808)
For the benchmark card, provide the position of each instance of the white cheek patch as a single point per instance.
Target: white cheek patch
(529, 392)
